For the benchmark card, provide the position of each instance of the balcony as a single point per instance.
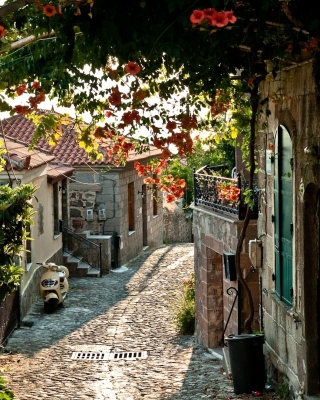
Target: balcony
(221, 194)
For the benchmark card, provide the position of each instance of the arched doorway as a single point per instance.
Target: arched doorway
(283, 206)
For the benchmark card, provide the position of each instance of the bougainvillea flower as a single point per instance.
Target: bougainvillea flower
(231, 18)
(165, 153)
(127, 118)
(36, 85)
(2, 31)
(171, 125)
(21, 89)
(115, 97)
(25, 110)
(169, 178)
(197, 16)
(49, 10)
(170, 198)
(164, 188)
(219, 19)
(250, 81)
(139, 95)
(148, 180)
(132, 68)
(209, 12)
(126, 146)
(180, 183)
(135, 115)
(157, 170)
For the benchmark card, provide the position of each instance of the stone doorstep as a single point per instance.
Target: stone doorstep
(226, 360)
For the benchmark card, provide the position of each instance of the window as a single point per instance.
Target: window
(155, 198)
(283, 227)
(56, 206)
(131, 206)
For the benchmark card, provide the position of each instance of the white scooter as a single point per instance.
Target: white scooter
(54, 285)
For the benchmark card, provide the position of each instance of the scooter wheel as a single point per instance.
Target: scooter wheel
(50, 305)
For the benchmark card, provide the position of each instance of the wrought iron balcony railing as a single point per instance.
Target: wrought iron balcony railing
(220, 194)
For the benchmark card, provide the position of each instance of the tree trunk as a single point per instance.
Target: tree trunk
(247, 292)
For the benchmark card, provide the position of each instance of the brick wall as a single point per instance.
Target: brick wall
(215, 234)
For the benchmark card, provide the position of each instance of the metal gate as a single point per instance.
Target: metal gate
(9, 315)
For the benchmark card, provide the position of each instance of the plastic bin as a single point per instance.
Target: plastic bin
(247, 362)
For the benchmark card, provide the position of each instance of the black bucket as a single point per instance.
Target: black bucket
(247, 362)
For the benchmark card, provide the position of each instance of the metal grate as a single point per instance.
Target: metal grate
(130, 355)
(105, 356)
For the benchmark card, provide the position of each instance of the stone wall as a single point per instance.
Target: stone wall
(215, 234)
(177, 225)
(109, 191)
(292, 332)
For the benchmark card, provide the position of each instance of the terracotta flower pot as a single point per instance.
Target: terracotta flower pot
(77, 224)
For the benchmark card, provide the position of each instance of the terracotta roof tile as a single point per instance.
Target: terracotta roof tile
(19, 157)
(67, 150)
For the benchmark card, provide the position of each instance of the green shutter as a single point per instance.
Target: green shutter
(283, 215)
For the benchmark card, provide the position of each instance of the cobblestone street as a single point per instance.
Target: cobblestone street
(128, 310)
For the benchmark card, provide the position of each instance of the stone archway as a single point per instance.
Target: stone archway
(310, 288)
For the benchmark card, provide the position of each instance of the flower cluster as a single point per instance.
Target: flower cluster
(220, 104)
(34, 101)
(212, 17)
(228, 191)
(166, 183)
(3, 31)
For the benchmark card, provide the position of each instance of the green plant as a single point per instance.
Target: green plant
(5, 393)
(185, 316)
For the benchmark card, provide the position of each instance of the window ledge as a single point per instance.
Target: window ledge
(155, 216)
(28, 266)
(56, 236)
(131, 232)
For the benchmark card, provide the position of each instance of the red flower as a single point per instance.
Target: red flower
(157, 170)
(21, 89)
(127, 118)
(49, 10)
(197, 16)
(2, 31)
(115, 97)
(180, 183)
(171, 125)
(36, 85)
(219, 19)
(139, 95)
(22, 110)
(169, 178)
(132, 68)
(148, 180)
(231, 18)
(209, 12)
(135, 115)
(170, 198)
(250, 81)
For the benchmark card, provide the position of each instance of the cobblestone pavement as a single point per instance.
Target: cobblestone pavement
(128, 310)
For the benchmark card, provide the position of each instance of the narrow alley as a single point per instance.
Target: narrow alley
(130, 310)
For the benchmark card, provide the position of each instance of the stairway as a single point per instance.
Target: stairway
(77, 267)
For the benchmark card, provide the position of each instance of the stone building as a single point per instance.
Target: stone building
(108, 201)
(286, 286)
(221, 307)
(288, 224)
(23, 167)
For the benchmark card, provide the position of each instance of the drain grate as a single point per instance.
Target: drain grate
(104, 356)
(90, 355)
(130, 355)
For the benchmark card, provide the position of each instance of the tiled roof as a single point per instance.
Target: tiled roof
(66, 151)
(19, 157)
